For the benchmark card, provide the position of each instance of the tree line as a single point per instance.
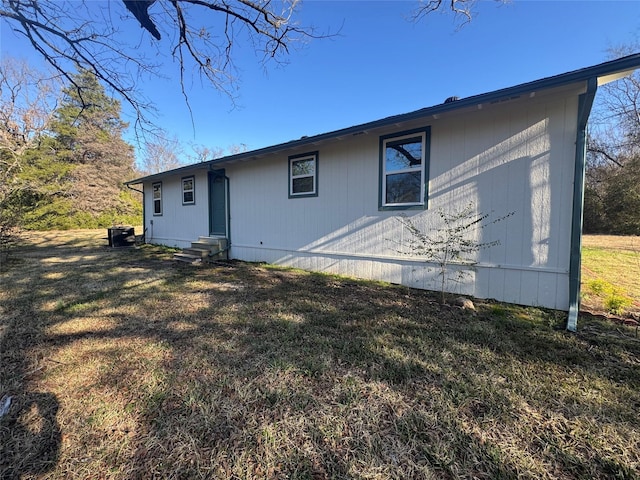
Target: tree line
(63, 159)
(612, 183)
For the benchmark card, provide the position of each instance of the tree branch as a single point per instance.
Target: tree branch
(71, 35)
(460, 8)
(598, 150)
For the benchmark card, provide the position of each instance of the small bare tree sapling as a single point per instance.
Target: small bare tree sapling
(453, 247)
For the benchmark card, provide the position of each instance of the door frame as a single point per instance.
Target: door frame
(214, 175)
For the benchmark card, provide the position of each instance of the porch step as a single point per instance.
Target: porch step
(212, 240)
(197, 252)
(205, 246)
(203, 250)
(187, 258)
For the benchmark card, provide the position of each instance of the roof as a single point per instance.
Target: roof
(603, 73)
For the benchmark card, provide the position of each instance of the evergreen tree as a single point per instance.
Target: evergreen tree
(84, 163)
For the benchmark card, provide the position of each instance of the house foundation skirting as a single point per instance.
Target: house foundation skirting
(395, 259)
(526, 285)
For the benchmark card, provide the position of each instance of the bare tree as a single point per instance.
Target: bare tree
(612, 195)
(460, 8)
(200, 34)
(202, 153)
(237, 148)
(615, 124)
(27, 103)
(163, 153)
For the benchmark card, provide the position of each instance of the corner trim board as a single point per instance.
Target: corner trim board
(585, 102)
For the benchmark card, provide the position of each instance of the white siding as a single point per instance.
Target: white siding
(179, 224)
(514, 156)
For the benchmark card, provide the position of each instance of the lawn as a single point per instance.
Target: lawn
(610, 270)
(121, 364)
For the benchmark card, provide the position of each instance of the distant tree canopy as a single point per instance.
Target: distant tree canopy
(163, 153)
(26, 106)
(63, 159)
(200, 35)
(612, 197)
(612, 187)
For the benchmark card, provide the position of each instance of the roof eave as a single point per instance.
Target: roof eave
(604, 72)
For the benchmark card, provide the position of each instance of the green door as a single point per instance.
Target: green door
(218, 207)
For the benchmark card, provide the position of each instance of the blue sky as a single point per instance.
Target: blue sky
(383, 64)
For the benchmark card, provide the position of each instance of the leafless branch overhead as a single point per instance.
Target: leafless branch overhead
(201, 35)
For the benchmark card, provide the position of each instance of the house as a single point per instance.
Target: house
(331, 202)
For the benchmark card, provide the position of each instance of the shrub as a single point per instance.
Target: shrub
(617, 303)
(600, 287)
(453, 247)
(614, 299)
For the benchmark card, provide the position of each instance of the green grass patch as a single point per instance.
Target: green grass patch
(610, 273)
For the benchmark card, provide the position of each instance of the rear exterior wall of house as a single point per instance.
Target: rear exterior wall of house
(516, 156)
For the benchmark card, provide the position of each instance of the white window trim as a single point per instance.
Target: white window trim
(311, 156)
(154, 199)
(421, 168)
(192, 190)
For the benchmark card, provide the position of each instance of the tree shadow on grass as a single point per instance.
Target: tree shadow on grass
(30, 433)
(30, 436)
(246, 371)
(473, 362)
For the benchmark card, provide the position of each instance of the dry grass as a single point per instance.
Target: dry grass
(124, 365)
(612, 242)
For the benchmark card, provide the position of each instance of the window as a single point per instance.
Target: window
(403, 170)
(157, 198)
(303, 175)
(188, 191)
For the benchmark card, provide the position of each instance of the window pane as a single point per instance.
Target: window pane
(403, 154)
(303, 167)
(157, 209)
(404, 188)
(303, 185)
(187, 197)
(187, 184)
